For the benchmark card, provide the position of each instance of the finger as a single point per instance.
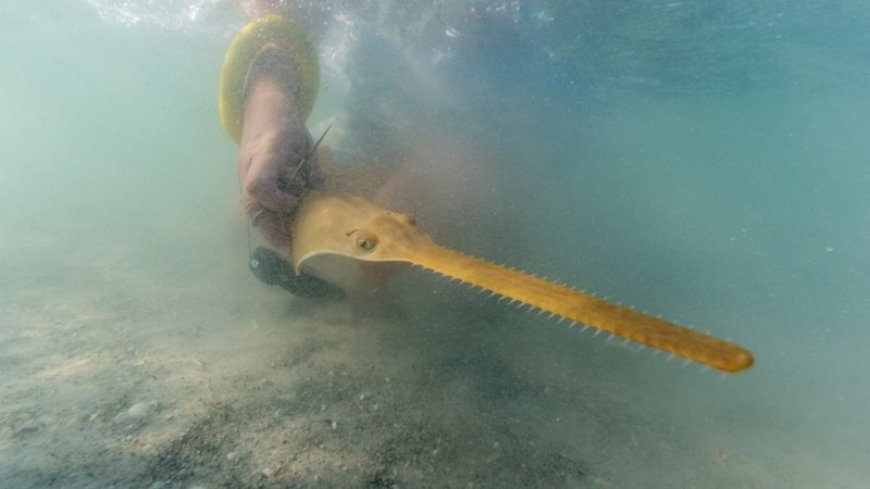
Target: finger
(272, 225)
(274, 229)
(266, 193)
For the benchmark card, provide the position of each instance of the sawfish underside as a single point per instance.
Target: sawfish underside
(330, 223)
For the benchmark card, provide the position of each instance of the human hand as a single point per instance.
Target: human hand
(274, 142)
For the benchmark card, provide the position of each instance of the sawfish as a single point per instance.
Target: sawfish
(332, 224)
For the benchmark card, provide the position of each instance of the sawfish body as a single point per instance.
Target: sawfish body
(330, 224)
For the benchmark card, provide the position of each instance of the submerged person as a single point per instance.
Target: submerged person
(268, 86)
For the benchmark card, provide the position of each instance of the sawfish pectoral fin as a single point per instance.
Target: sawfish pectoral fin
(584, 308)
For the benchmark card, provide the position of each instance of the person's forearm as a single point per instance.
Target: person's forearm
(267, 90)
(270, 104)
(269, 111)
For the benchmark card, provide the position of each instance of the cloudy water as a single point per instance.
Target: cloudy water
(702, 161)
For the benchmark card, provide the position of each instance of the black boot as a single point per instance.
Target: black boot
(268, 266)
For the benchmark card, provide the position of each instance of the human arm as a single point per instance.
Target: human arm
(268, 86)
(273, 141)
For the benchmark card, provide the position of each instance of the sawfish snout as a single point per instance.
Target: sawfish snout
(342, 225)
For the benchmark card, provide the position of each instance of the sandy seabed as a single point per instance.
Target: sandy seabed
(123, 367)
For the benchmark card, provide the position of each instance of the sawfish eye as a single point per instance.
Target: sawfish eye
(366, 243)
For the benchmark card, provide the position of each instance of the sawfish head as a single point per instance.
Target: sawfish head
(330, 225)
(337, 224)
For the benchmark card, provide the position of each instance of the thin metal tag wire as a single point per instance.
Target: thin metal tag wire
(311, 153)
(248, 225)
(251, 260)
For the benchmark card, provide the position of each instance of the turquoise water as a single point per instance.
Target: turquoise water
(707, 162)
